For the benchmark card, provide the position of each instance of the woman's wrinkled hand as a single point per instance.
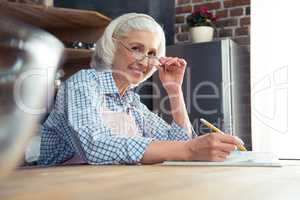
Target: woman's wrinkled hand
(171, 73)
(211, 147)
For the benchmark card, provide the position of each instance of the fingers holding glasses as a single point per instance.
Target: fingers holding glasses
(182, 62)
(172, 63)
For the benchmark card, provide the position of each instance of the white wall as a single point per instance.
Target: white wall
(275, 76)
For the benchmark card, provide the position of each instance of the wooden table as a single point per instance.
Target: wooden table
(153, 182)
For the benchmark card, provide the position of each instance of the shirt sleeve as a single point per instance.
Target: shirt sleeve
(156, 127)
(97, 142)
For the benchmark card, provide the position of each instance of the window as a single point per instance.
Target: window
(275, 77)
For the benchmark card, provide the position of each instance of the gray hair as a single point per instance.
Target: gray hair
(105, 47)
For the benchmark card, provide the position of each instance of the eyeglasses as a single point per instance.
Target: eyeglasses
(139, 56)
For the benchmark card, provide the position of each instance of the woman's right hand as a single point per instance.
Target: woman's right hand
(211, 147)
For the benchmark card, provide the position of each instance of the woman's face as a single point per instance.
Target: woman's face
(125, 64)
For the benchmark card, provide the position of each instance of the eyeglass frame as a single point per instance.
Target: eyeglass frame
(134, 53)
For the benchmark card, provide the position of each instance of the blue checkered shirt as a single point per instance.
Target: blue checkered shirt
(75, 125)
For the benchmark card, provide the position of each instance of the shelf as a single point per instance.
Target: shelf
(76, 59)
(78, 56)
(67, 24)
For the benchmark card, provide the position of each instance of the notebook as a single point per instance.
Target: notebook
(236, 158)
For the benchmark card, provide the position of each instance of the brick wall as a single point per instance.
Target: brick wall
(233, 19)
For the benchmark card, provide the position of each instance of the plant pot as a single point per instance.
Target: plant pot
(201, 34)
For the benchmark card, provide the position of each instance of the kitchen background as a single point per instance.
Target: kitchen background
(233, 22)
(233, 15)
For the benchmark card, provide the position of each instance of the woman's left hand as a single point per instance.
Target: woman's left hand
(171, 73)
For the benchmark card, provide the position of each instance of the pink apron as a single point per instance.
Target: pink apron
(120, 123)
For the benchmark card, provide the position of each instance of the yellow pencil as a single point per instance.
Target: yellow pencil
(209, 125)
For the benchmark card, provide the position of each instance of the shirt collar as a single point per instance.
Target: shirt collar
(108, 86)
(106, 82)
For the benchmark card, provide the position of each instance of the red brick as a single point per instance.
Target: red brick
(182, 37)
(183, 9)
(225, 33)
(245, 21)
(226, 22)
(233, 3)
(198, 1)
(180, 2)
(236, 12)
(222, 14)
(242, 40)
(210, 6)
(179, 19)
(241, 31)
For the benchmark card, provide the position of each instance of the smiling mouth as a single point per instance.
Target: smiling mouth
(139, 69)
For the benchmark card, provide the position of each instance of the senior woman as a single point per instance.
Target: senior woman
(99, 119)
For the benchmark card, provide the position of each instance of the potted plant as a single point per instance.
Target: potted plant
(201, 23)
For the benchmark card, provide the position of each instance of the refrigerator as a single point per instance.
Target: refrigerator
(216, 87)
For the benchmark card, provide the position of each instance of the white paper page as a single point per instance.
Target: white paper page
(237, 158)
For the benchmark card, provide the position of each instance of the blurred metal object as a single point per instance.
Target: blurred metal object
(46, 2)
(29, 59)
